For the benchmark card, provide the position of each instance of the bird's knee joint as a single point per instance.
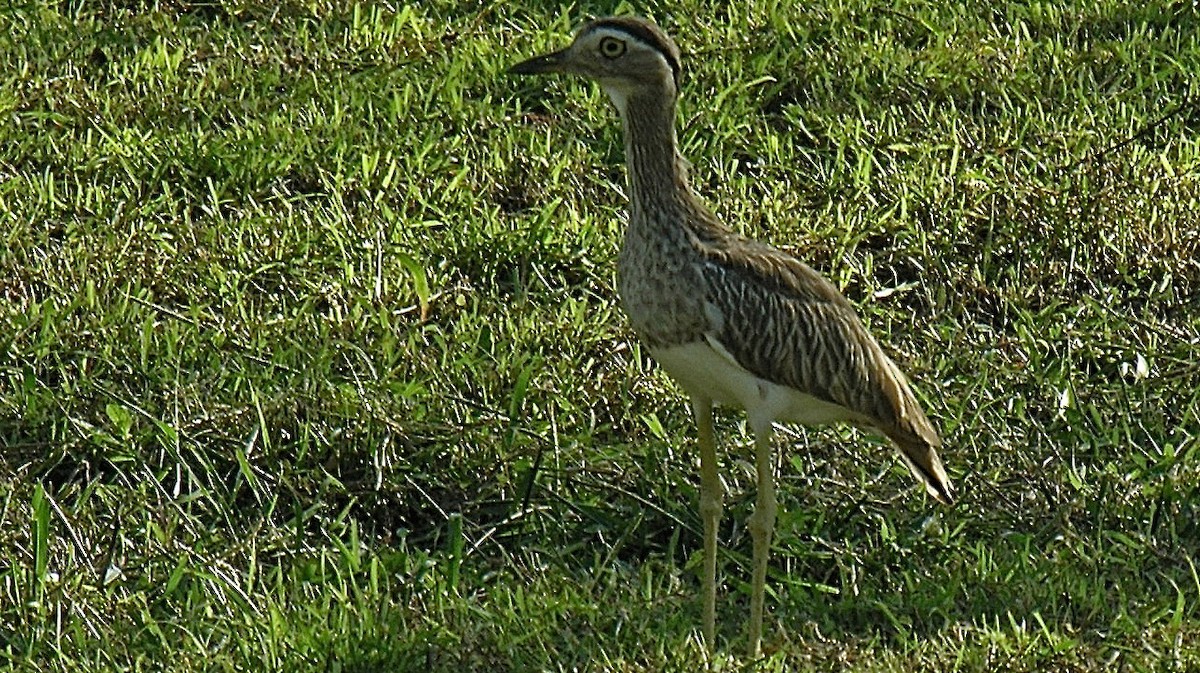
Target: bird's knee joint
(762, 521)
(711, 506)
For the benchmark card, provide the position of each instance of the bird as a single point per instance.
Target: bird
(732, 320)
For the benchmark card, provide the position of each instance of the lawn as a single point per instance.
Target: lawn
(310, 357)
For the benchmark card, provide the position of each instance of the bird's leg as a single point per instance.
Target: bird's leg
(762, 525)
(710, 510)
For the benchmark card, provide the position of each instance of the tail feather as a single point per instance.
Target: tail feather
(922, 459)
(906, 425)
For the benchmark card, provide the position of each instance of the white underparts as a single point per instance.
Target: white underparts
(706, 369)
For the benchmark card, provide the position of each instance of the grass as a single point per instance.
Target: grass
(311, 359)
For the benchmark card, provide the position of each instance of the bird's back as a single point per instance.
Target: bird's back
(766, 313)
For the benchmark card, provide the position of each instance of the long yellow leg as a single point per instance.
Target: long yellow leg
(711, 494)
(762, 525)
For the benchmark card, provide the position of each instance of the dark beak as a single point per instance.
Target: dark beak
(540, 64)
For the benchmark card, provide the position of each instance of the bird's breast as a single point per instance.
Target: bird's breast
(661, 290)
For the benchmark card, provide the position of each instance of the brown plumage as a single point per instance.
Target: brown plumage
(734, 321)
(788, 325)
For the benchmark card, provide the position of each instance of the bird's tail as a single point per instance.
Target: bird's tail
(921, 457)
(912, 432)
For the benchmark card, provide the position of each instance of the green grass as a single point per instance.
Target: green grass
(309, 355)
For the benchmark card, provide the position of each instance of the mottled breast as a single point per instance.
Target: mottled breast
(660, 285)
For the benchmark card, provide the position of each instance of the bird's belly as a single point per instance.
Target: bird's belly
(703, 371)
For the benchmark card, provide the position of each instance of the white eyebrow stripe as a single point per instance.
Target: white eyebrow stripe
(640, 36)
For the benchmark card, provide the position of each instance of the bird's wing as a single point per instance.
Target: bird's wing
(783, 322)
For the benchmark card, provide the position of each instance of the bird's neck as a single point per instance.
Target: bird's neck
(657, 171)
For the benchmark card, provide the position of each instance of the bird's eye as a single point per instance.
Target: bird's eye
(611, 47)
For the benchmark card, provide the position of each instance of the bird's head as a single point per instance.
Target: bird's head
(626, 55)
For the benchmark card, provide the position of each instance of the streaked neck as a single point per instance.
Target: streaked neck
(657, 171)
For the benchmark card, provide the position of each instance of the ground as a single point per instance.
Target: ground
(311, 358)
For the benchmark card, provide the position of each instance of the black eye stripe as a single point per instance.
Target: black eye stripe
(653, 37)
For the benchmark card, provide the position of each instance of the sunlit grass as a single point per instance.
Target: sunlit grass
(312, 359)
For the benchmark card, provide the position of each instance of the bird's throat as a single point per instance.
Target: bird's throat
(657, 172)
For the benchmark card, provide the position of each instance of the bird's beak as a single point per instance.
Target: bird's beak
(552, 62)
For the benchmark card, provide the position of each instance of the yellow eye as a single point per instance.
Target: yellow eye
(611, 47)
